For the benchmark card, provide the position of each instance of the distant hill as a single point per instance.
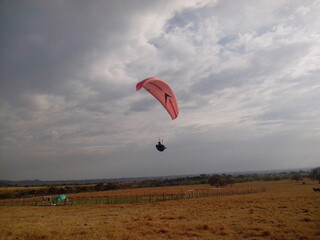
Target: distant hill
(37, 182)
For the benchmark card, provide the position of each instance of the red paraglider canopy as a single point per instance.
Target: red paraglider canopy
(163, 92)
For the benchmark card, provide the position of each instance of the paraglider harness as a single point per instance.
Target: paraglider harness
(160, 146)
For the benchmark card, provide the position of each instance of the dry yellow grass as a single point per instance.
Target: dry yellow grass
(285, 211)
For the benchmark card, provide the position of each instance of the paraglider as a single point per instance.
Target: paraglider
(165, 95)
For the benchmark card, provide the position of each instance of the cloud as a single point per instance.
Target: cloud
(245, 74)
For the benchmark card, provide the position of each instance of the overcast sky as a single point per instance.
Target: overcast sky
(246, 75)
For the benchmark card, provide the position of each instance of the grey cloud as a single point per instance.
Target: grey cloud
(265, 63)
(68, 103)
(104, 95)
(143, 105)
(290, 106)
(47, 45)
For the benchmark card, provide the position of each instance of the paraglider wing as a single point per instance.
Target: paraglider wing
(163, 93)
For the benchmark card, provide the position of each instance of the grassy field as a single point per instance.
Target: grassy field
(286, 210)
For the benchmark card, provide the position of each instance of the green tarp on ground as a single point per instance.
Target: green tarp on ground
(59, 198)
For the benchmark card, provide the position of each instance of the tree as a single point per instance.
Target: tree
(53, 190)
(229, 180)
(99, 187)
(296, 176)
(315, 174)
(216, 180)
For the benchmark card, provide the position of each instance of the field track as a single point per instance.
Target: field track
(286, 210)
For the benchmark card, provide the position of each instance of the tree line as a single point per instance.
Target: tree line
(223, 179)
(217, 180)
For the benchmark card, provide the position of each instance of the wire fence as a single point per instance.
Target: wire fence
(130, 198)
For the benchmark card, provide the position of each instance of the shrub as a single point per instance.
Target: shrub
(5, 195)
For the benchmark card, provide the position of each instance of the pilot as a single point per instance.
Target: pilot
(160, 147)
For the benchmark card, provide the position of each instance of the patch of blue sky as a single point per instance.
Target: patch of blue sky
(227, 40)
(265, 29)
